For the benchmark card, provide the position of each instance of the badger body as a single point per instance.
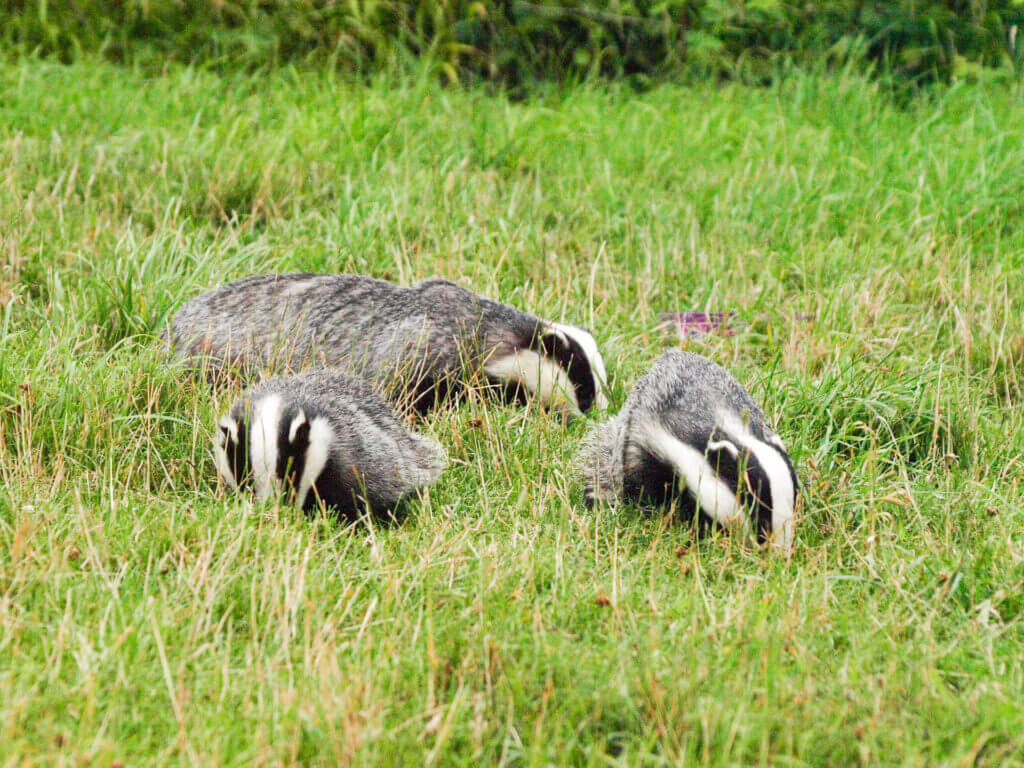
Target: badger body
(325, 437)
(690, 434)
(417, 344)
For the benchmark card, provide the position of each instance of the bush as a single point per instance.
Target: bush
(515, 41)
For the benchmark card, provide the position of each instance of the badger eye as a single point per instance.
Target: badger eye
(224, 436)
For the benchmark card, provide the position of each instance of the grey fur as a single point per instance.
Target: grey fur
(700, 405)
(371, 459)
(416, 343)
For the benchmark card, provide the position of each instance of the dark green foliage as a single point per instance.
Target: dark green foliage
(516, 42)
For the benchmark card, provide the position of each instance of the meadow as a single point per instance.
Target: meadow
(872, 248)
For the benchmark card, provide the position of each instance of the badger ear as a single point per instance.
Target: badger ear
(298, 431)
(724, 445)
(728, 462)
(567, 352)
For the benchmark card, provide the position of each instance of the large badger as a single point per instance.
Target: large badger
(419, 344)
(324, 437)
(690, 434)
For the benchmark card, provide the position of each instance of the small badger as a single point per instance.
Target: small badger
(416, 343)
(327, 437)
(689, 425)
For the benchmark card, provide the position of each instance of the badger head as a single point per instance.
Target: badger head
(731, 474)
(560, 365)
(278, 443)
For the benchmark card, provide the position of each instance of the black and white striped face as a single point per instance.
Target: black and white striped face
(278, 444)
(729, 475)
(561, 366)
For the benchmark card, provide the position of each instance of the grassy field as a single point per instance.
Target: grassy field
(873, 250)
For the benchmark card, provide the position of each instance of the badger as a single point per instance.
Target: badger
(419, 344)
(326, 437)
(690, 434)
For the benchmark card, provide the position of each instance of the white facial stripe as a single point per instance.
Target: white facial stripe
(297, 422)
(715, 498)
(589, 347)
(320, 438)
(220, 460)
(777, 442)
(539, 374)
(263, 443)
(779, 477)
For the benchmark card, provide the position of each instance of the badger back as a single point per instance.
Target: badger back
(268, 322)
(411, 341)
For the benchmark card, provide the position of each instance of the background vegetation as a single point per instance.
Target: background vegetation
(518, 42)
(874, 251)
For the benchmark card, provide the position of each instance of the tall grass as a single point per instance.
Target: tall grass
(873, 250)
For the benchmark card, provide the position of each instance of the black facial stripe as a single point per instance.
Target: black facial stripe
(748, 480)
(570, 356)
(291, 454)
(238, 454)
(756, 492)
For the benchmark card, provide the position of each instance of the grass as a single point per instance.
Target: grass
(147, 617)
